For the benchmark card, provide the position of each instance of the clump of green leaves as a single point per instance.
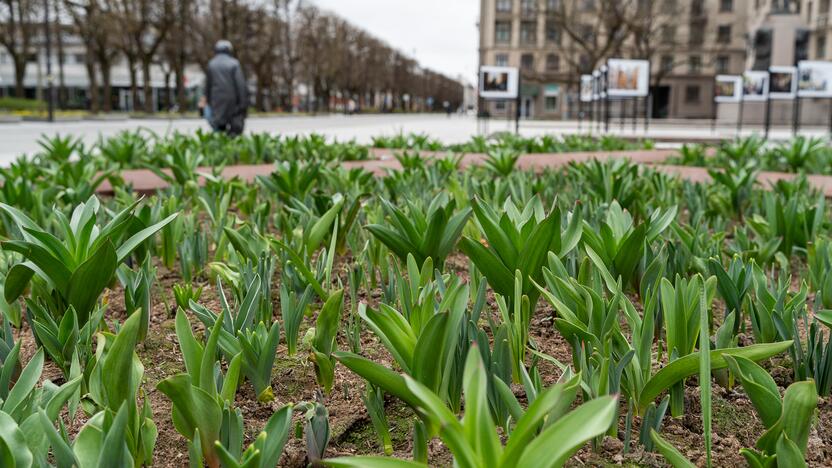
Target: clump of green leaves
(423, 233)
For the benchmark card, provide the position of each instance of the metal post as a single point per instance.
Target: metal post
(648, 113)
(606, 101)
(715, 115)
(739, 118)
(830, 115)
(595, 114)
(622, 117)
(519, 101)
(50, 97)
(768, 117)
(795, 115)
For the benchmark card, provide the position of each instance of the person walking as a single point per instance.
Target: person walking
(226, 91)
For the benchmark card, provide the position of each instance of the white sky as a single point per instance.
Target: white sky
(440, 34)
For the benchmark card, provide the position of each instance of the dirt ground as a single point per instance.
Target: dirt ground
(293, 381)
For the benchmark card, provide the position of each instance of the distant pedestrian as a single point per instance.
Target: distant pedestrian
(447, 106)
(204, 108)
(226, 91)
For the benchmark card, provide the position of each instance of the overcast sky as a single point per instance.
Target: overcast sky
(440, 34)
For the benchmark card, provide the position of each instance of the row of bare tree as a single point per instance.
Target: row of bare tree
(281, 44)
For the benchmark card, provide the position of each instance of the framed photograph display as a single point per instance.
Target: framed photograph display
(728, 88)
(755, 86)
(814, 79)
(499, 82)
(628, 78)
(782, 83)
(587, 91)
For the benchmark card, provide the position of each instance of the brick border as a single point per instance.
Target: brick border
(146, 182)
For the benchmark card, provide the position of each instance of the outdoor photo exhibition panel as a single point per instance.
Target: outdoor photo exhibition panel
(501, 84)
(728, 89)
(809, 79)
(814, 81)
(782, 83)
(755, 88)
(626, 81)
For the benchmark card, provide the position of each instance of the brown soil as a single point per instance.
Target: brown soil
(293, 381)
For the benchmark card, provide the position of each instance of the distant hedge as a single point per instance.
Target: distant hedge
(18, 104)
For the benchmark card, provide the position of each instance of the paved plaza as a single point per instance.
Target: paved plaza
(22, 138)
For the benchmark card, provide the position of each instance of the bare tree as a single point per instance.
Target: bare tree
(144, 25)
(18, 22)
(279, 43)
(287, 12)
(595, 30)
(177, 47)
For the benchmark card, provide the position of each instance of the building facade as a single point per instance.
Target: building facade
(688, 42)
(70, 76)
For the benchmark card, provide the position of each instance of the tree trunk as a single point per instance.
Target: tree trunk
(107, 85)
(258, 93)
(93, 85)
(134, 86)
(62, 92)
(181, 95)
(19, 76)
(148, 89)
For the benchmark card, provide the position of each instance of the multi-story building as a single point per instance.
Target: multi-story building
(688, 42)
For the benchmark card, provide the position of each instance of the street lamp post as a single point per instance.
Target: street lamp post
(50, 98)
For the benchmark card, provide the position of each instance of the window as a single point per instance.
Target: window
(723, 64)
(726, 6)
(697, 7)
(801, 45)
(820, 47)
(528, 7)
(528, 32)
(668, 33)
(552, 5)
(695, 64)
(668, 6)
(723, 34)
(500, 105)
(587, 5)
(504, 6)
(80, 58)
(823, 7)
(551, 95)
(667, 63)
(697, 33)
(551, 103)
(692, 94)
(527, 62)
(501, 60)
(583, 63)
(552, 33)
(763, 42)
(587, 33)
(785, 7)
(553, 62)
(502, 32)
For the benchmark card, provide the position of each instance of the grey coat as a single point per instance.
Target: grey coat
(225, 90)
